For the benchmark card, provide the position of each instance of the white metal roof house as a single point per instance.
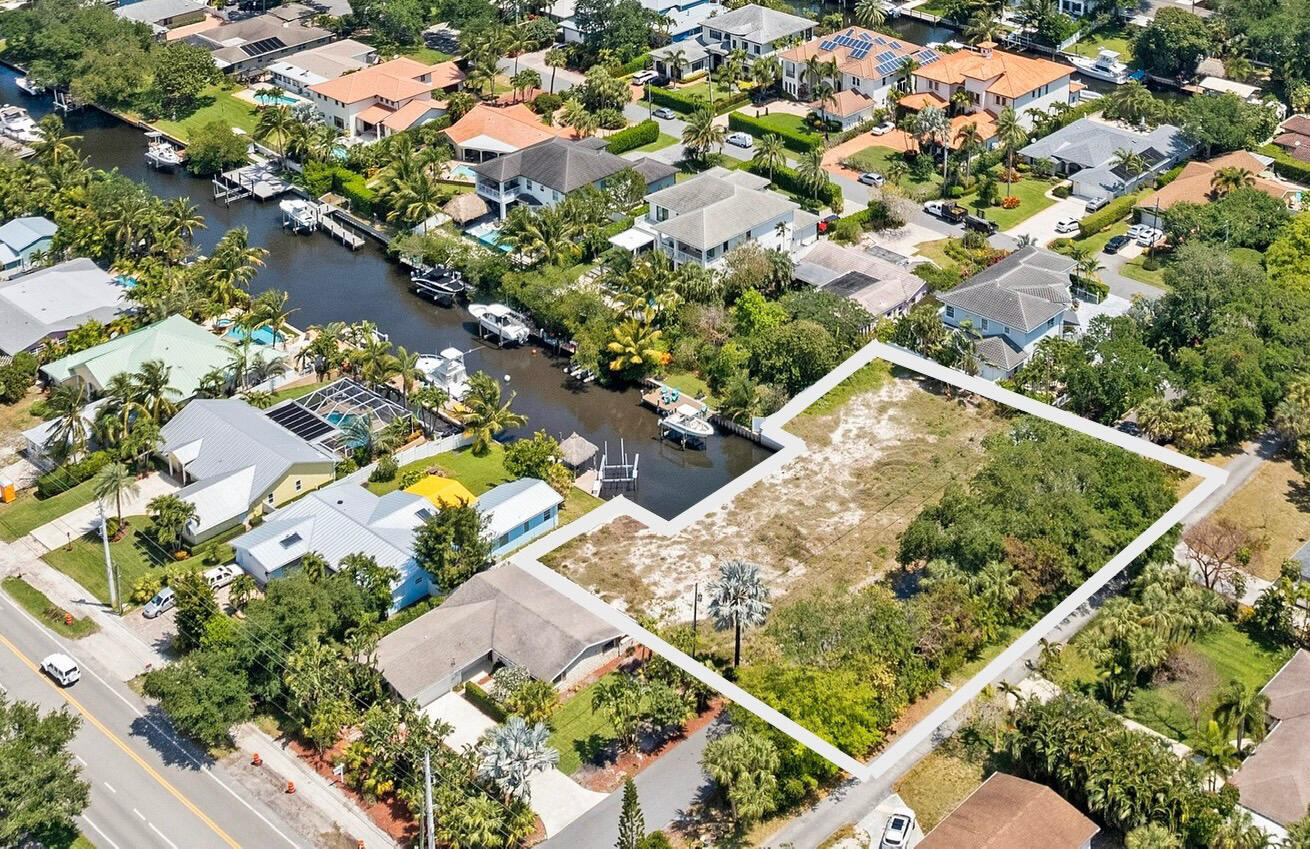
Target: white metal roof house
(20, 238)
(517, 512)
(234, 462)
(337, 521)
(753, 29)
(1085, 152)
(47, 303)
(501, 616)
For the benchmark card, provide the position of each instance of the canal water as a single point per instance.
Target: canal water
(328, 282)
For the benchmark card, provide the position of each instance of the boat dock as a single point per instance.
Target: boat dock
(305, 216)
(665, 399)
(258, 181)
(16, 148)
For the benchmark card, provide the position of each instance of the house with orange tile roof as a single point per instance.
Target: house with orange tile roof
(993, 79)
(383, 99)
(1194, 185)
(486, 132)
(866, 62)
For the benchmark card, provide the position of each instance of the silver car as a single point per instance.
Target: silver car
(163, 600)
(665, 112)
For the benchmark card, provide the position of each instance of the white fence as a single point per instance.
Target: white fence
(411, 455)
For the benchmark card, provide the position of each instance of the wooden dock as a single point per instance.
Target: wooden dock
(665, 399)
(339, 231)
(258, 181)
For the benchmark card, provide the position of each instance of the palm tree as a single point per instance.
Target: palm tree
(153, 391)
(701, 133)
(459, 104)
(770, 153)
(231, 267)
(674, 59)
(510, 754)
(276, 124)
(113, 482)
(814, 71)
(1239, 831)
(635, 343)
(54, 148)
(1216, 750)
(905, 76)
(1130, 161)
(1242, 710)
(1230, 179)
(407, 369)
(169, 516)
(984, 26)
(738, 600)
(1010, 132)
(810, 173)
(967, 141)
(68, 438)
(870, 13)
(767, 71)
(524, 81)
(555, 58)
(933, 125)
(486, 416)
(1152, 836)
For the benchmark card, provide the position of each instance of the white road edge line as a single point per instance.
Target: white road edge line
(161, 835)
(81, 760)
(96, 829)
(109, 786)
(139, 814)
(788, 447)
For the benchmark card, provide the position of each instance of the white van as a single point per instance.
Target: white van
(221, 576)
(62, 668)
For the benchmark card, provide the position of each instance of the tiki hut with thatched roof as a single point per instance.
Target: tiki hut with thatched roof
(466, 207)
(577, 451)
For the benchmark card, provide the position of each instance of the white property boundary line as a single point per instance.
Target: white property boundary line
(789, 448)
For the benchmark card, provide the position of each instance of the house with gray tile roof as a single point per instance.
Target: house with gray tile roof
(755, 30)
(1086, 152)
(1012, 306)
(48, 303)
(544, 173)
(702, 219)
(235, 463)
(501, 617)
(252, 43)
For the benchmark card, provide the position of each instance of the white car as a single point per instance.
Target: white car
(1137, 230)
(741, 140)
(872, 178)
(665, 112)
(643, 77)
(1066, 225)
(221, 576)
(882, 129)
(897, 833)
(1144, 235)
(162, 602)
(934, 207)
(62, 668)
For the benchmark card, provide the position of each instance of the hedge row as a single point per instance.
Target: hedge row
(635, 64)
(1285, 166)
(1107, 215)
(483, 702)
(66, 477)
(686, 104)
(633, 137)
(799, 142)
(320, 178)
(785, 178)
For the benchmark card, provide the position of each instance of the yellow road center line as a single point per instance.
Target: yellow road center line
(117, 741)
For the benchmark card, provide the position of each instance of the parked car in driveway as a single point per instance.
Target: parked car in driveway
(163, 600)
(872, 178)
(1066, 225)
(220, 576)
(897, 833)
(1115, 243)
(1145, 235)
(743, 140)
(665, 112)
(883, 129)
(643, 77)
(62, 668)
(1096, 203)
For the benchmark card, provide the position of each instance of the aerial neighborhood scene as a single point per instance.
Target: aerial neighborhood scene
(655, 424)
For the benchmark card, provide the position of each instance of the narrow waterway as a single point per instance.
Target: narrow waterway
(327, 283)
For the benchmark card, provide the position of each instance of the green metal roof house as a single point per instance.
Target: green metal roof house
(189, 349)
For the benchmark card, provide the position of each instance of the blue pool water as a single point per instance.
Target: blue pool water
(262, 336)
(463, 172)
(266, 99)
(125, 281)
(341, 420)
(489, 236)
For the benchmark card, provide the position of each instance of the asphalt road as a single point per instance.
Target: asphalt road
(148, 789)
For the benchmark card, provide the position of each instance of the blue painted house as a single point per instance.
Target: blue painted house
(1013, 305)
(21, 238)
(518, 512)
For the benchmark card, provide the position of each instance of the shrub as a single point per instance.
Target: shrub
(1286, 166)
(848, 230)
(633, 137)
(1060, 191)
(785, 178)
(1009, 202)
(680, 102)
(17, 376)
(352, 187)
(633, 65)
(546, 103)
(410, 478)
(483, 702)
(1107, 215)
(66, 477)
(318, 178)
(1150, 263)
(938, 279)
(1248, 255)
(956, 192)
(384, 471)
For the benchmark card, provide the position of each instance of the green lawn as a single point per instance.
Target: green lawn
(216, 105)
(43, 609)
(1032, 199)
(877, 158)
(663, 141)
(781, 122)
(936, 251)
(1096, 242)
(1116, 37)
(691, 384)
(702, 90)
(295, 392)
(1135, 269)
(29, 512)
(134, 558)
(578, 732)
(426, 55)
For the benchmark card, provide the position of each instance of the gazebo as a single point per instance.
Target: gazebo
(466, 207)
(577, 451)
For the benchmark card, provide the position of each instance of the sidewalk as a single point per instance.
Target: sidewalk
(75, 523)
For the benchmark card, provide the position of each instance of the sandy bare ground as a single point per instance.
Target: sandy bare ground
(830, 518)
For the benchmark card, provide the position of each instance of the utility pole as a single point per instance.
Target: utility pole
(427, 799)
(109, 564)
(695, 610)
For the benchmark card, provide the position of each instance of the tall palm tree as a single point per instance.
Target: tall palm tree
(766, 72)
(984, 26)
(967, 141)
(770, 153)
(1011, 134)
(524, 81)
(68, 438)
(486, 415)
(407, 369)
(905, 76)
(870, 14)
(813, 72)
(1230, 179)
(555, 59)
(1217, 753)
(701, 133)
(1242, 710)
(933, 125)
(113, 482)
(738, 600)
(674, 59)
(510, 754)
(635, 343)
(231, 267)
(1130, 161)
(276, 124)
(810, 173)
(54, 148)
(153, 391)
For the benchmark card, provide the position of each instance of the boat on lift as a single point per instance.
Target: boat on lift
(1106, 66)
(30, 87)
(500, 321)
(688, 424)
(446, 372)
(438, 282)
(160, 154)
(299, 215)
(18, 125)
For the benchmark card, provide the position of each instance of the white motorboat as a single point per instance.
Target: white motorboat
(438, 282)
(1106, 66)
(687, 424)
(299, 215)
(501, 322)
(18, 125)
(29, 86)
(446, 372)
(160, 154)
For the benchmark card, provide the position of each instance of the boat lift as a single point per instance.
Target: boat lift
(616, 477)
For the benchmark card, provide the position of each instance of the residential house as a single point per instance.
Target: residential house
(384, 99)
(992, 80)
(1194, 185)
(239, 47)
(21, 239)
(39, 442)
(321, 64)
(485, 131)
(544, 173)
(165, 15)
(501, 617)
(190, 351)
(1012, 305)
(1010, 812)
(1087, 151)
(235, 463)
(1274, 782)
(337, 521)
(884, 289)
(756, 31)
(1294, 137)
(518, 512)
(680, 20)
(868, 63)
(47, 303)
(702, 219)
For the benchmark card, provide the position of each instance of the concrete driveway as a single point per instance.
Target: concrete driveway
(79, 521)
(1042, 225)
(876, 820)
(564, 79)
(468, 722)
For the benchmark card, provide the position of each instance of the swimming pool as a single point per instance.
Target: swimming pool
(488, 235)
(263, 98)
(125, 281)
(463, 172)
(261, 336)
(341, 420)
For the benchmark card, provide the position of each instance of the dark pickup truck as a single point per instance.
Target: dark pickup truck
(954, 213)
(982, 225)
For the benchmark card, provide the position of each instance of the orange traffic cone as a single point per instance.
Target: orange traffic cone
(291, 787)
(256, 760)
(68, 619)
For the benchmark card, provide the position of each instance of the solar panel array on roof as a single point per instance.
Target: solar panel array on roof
(927, 56)
(300, 421)
(264, 45)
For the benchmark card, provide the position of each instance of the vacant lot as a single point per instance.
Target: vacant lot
(1274, 505)
(881, 447)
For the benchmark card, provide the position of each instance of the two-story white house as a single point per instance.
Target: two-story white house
(377, 101)
(757, 31)
(992, 80)
(867, 62)
(1013, 305)
(544, 173)
(704, 218)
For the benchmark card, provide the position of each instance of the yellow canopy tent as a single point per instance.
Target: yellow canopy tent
(442, 492)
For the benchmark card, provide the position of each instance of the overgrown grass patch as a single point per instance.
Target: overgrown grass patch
(44, 610)
(1274, 506)
(936, 785)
